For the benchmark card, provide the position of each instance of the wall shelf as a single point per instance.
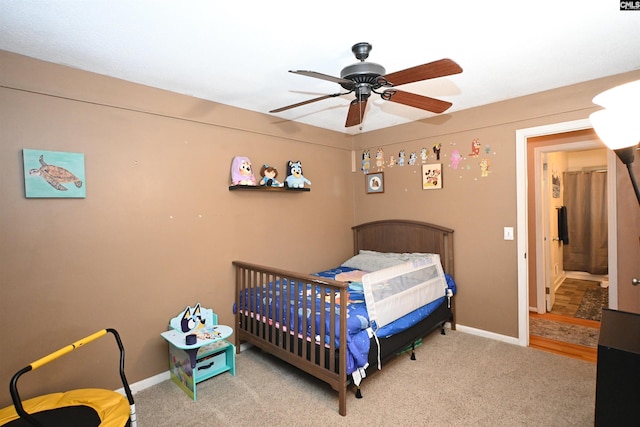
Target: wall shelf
(265, 188)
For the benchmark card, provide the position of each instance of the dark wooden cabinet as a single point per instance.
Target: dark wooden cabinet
(618, 377)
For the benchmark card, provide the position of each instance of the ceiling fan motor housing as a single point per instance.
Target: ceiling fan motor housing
(362, 73)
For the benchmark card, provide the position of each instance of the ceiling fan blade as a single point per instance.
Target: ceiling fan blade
(415, 100)
(322, 76)
(299, 104)
(356, 112)
(441, 68)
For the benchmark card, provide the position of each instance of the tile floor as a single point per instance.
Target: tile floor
(569, 295)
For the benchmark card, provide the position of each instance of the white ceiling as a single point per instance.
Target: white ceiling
(238, 52)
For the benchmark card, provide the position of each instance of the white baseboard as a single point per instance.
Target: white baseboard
(487, 334)
(559, 280)
(146, 383)
(583, 275)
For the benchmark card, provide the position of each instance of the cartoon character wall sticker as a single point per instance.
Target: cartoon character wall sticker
(424, 153)
(455, 159)
(475, 148)
(484, 168)
(392, 161)
(380, 159)
(412, 158)
(366, 161)
(401, 158)
(432, 172)
(436, 150)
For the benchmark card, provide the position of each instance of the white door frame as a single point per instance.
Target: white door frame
(522, 229)
(543, 233)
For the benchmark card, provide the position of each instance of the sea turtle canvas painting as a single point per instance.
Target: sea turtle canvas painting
(53, 174)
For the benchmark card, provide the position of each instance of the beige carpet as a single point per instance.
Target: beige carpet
(457, 380)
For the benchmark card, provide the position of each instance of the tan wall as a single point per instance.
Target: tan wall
(476, 208)
(587, 159)
(159, 228)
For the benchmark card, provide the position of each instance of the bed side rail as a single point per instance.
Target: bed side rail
(269, 315)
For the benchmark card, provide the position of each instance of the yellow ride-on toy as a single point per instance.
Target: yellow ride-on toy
(75, 408)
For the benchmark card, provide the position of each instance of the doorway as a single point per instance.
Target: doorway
(526, 208)
(570, 192)
(557, 164)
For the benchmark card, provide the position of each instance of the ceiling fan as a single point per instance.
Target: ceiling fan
(365, 78)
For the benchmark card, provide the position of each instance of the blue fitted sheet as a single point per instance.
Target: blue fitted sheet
(358, 339)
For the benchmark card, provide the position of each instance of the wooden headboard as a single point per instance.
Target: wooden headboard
(397, 235)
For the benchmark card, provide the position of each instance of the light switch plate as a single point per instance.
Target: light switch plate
(508, 233)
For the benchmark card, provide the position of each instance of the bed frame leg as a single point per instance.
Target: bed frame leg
(442, 332)
(342, 399)
(413, 350)
(358, 393)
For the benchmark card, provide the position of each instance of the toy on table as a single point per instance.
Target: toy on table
(295, 179)
(242, 171)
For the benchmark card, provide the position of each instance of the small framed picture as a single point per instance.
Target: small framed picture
(432, 176)
(374, 182)
(53, 174)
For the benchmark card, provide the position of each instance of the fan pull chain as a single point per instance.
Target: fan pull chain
(360, 110)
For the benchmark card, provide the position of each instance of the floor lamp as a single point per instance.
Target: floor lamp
(618, 124)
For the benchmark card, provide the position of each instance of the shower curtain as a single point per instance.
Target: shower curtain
(585, 196)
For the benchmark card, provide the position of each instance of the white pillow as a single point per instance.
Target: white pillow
(374, 261)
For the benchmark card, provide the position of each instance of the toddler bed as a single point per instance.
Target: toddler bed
(297, 317)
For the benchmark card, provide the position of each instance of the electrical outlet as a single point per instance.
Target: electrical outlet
(508, 233)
